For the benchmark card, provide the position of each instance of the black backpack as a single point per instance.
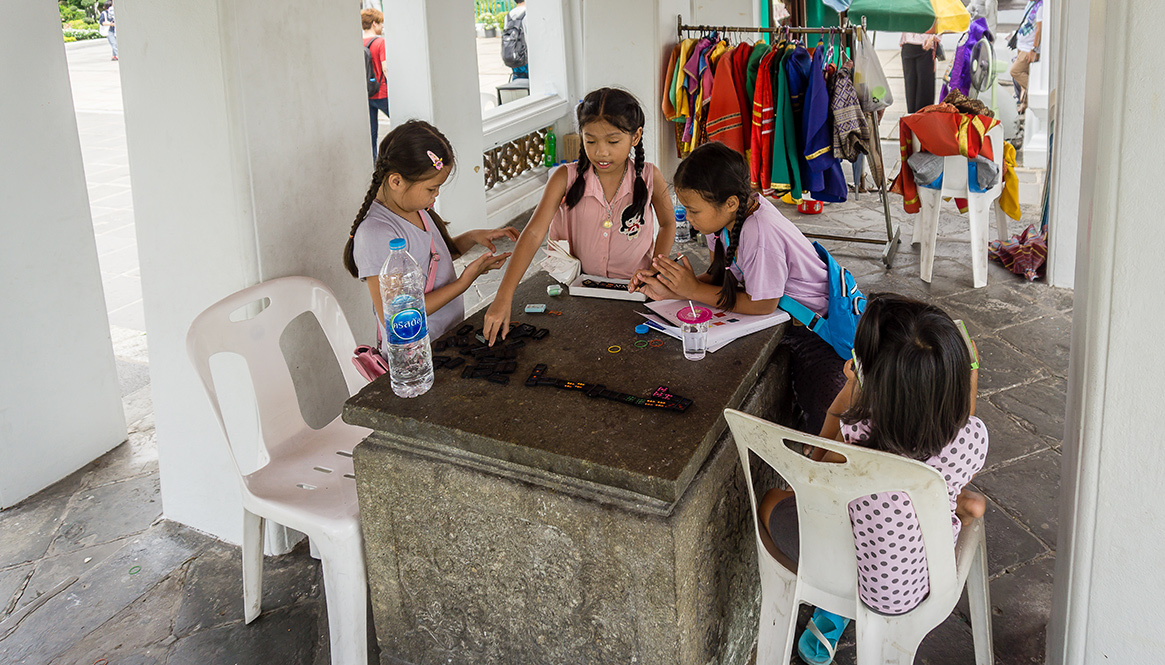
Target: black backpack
(371, 79)
(514, 43)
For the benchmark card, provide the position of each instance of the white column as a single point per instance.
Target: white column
(1068, 56)
(1108, 582)
(432, 75)
(249, 151)
(60, 403)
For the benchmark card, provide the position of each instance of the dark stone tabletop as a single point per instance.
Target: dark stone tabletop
(650, 452)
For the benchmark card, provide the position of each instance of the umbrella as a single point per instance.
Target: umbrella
(937, 16)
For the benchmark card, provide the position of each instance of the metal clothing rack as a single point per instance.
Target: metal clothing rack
(850, 31)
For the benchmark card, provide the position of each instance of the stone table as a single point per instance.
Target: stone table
(505, 523)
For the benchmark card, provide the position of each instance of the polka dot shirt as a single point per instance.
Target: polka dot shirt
(892, 573)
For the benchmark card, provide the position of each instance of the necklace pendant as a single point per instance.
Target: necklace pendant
(607, 224)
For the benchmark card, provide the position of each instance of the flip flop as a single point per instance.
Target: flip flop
(819, 641)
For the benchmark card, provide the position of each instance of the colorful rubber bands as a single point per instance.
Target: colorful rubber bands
(614, 348)
(135, 570)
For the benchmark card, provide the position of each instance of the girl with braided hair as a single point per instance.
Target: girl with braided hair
(414, 160)
(757, 256)
(599, 204)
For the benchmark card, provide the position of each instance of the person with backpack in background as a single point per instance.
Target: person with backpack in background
(374, 56)
(514, 42)
(108, 26)
(1026, 40)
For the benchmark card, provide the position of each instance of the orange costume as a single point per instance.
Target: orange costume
(943, 134)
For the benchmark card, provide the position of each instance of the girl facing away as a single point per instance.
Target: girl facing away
(910, 390)
(414, 160)
(757, 256)
(598, 204)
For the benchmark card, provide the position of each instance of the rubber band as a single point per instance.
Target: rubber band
(101, 661)
(655, 343)
(553, 313)
(135, 570)
(614, 348)
(641, 344)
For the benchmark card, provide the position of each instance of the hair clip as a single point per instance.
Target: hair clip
(437, 163)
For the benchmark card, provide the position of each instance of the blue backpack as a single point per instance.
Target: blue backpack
(846, 304)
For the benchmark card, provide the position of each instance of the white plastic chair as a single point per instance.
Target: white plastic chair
(980, 205)
(308, 482)
(826, 575)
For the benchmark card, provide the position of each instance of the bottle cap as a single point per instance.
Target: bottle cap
(554, 290)
(396, 243)
(642, 329)
(681, 213)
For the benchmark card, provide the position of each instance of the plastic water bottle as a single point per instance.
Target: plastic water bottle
(683, 228)
(406, 329)
(551, 152)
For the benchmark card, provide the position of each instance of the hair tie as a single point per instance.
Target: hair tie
(437, 163)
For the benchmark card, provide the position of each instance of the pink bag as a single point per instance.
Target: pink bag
(369, 362)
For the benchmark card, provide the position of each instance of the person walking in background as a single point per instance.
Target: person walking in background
(918, 51)
(372, 21)
(105, 20)
(1027, 42)
(514, 42)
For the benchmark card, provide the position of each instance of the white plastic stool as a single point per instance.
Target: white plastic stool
(980, 206)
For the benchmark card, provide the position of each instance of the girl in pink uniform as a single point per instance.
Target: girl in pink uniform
(599, 204)
(757, 256)
(910, 391)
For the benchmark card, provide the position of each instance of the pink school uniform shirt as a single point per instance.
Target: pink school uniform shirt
(617, 250)
(775, 258)
(893, 576)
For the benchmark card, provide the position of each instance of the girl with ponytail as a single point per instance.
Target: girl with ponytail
(757, 256)
(414, 160)
(599, 204)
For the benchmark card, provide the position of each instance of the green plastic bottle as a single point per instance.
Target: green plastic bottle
(551, 156)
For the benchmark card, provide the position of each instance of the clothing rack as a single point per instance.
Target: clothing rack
(850, 32)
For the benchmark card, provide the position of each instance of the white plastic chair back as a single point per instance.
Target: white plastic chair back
(826, 573)
(955, 171)
(256, 339)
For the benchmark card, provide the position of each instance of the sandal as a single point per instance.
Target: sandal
(819, 641)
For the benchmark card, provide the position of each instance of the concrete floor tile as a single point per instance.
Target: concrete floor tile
(11, 581)
(1001, 366)
(1060, 300)
(53, 570)
(283, 636)
(1047, 339)
(119, 261)
(1029, 490)
(213, 592)
(111, 243)
(1021, 602)
(108, 513)
(1008, 439)
(29, 528)
(120, 290)
(136, 457)
(950, 643)
(132, 317)
(1009, 544)
(996, 306)
(100, 594)
(1041, 404)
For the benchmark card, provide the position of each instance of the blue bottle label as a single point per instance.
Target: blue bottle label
(407, 326)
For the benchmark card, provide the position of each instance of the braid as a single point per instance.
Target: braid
(729, 286)
(575, 193)
(349, 249)
(639, 202)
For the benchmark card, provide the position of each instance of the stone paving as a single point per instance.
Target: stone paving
(90, 570)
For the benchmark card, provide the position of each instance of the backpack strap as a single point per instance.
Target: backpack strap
(810, 319)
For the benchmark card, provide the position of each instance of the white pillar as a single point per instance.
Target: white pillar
(1068, 57)
(1108, 582)
(249, 151)
(60, 403)
(432, 75)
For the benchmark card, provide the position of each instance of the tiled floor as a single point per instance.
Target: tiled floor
(89, 570)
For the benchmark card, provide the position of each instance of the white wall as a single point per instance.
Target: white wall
(60, 403)
(1107, 599)
(1068, 58)
(439, 84)
(249, 151)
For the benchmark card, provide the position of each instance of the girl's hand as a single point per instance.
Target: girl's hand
(497, 320)
(677, 277)
(485, 237)
(483, 264)
(647, 282)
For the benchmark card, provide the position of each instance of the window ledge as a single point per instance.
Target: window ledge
(518, 118)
